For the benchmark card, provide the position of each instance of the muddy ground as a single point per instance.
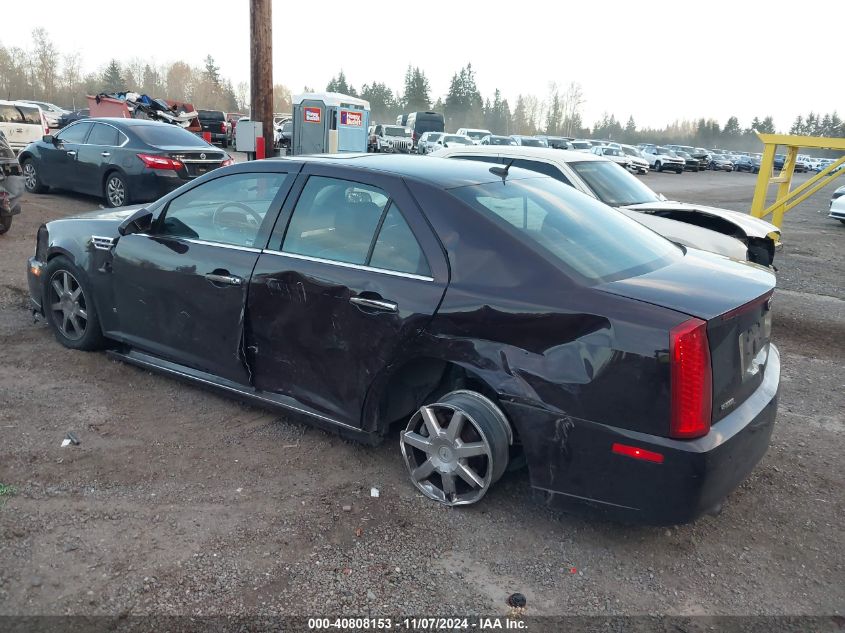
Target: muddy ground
(180, 501)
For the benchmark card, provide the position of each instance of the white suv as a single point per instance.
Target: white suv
(475, 134)
(22, 123)
(660, 158)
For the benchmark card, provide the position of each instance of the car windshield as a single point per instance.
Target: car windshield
(395, 130)
(581, 145)
(631, 151)
(665, 151)
(501, 140)
(612, 183)
(682, 154)
(610, 151)
(454, 138)
(166, 135)
(583, 235)
(477, 135)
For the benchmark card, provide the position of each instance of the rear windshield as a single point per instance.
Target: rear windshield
(211, 115)
(581, 145)
(501, 140)
(613, 184)
(581, 234)
(477, 135)
(454, 138)
(166, 135)
(533, 142)
(428, 123)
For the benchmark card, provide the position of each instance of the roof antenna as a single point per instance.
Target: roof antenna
(502, 171)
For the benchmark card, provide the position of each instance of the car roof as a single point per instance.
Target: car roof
(442, 172)
(523, 151)
(119, 121)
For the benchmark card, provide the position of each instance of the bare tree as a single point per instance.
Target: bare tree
(571, 103)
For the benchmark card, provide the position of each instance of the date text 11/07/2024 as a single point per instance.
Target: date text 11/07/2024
(416, 624)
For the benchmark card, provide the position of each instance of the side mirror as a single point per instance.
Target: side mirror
(49, 138)
(139, 222)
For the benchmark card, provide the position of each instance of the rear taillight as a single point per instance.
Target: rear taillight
(160, 162)
(691, 380)
(227, 162)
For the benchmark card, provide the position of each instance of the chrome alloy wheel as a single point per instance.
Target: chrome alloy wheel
(30, 177)
(448, 455)
(67, 302)
(116, 191)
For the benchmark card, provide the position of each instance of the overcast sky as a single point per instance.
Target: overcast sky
(656, 60)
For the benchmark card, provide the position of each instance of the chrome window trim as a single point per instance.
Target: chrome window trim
(248, 249)
(119, 134)
(370, 269)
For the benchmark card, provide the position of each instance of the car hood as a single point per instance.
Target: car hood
(751, 226)
(116, 215)
(720, 284)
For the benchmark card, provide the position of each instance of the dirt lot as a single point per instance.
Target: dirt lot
(179, 501)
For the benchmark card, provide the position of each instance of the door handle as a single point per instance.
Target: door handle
(376, 304)
(105, 154)
(71, 152)
(230, 280)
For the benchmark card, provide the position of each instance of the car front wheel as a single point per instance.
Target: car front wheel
(31, 180)
(69, 306)
(457, 448)
(115, 190)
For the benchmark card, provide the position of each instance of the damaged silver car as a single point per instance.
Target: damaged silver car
(11, 185)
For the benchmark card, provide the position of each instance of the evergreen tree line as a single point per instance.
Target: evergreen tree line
(43, 73)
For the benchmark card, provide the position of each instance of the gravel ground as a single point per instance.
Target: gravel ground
(179, 501)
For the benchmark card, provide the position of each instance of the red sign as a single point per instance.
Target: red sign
(312, 115)
(352, 119)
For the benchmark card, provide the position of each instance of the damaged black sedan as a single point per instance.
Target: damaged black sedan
(498, 316)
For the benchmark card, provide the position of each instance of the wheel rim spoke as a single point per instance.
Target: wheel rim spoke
(75, 323)
(456, 425)
(66, 282)
(57, 287)
(75, 294)
(57, 307)
(448, 485)
(469, 475)
(82, 313)
(471, 449)
(417, 441)
(423, 470)
(430, 420)
(65, 320)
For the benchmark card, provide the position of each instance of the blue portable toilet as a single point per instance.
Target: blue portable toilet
(329, 123)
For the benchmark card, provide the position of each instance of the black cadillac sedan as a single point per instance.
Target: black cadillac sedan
(496, 315)
(120, 160)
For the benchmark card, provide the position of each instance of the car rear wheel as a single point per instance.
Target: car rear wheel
(5, 223)
(69, 306)
(31, 180)
(658, 166)
(115, 191)
(457, 448)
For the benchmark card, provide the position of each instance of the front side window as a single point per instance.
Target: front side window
(584, 236)
(75, 133)
(228, 210)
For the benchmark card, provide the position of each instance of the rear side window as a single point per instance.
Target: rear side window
(103, 134)
(541, 167)
(396, 247)
(336, 220)
(31, 115)
(75, 133)
(585, 237)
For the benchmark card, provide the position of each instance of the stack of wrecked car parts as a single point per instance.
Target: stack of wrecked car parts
(11, 185)
(137, 106)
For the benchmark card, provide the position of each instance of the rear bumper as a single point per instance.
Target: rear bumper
(572, 465)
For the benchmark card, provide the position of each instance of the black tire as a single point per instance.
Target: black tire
(72, 328)
(679, 171)
(113, 184)
(5, 223)
(31, 179)
(843, 221)
(658, 166)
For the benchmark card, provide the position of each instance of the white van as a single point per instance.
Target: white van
(475, 134)
(22, 123)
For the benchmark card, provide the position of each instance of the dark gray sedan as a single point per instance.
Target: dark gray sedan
(121, 160)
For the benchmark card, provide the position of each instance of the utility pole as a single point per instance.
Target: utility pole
(261, 67)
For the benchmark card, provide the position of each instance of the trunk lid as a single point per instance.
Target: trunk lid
(733, 298)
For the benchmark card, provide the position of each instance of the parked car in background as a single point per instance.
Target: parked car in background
(720, 163)
(698, 153)
(721, 231)
(428, 142)
(21, 123)
(837, 205)
(11, 185)
(690, 163)
(800, 165)
(528, 141)
(52, 112)
(616, 155)
(496, 310)
(421, 122)
(780, 160)
(283, 134)
(449, 140)
(493, 139)
(474, 134)
(747, 163)
(214, 123)
(121, 160)
(638, 162)
(556, 142)
(390, 139)
(661, 158)
(582, 146)
(70, 117)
